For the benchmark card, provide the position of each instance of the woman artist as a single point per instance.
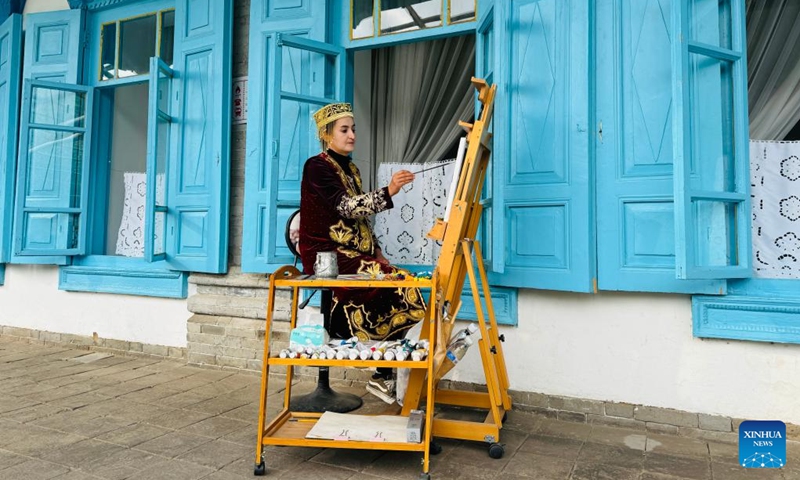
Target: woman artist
(335, 216)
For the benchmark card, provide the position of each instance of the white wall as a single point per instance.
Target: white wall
(639, 348)
(33, 6)
(30, 298)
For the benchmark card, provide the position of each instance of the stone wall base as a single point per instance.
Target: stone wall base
(93, 343)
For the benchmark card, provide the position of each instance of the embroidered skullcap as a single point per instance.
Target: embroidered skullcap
(330, 113)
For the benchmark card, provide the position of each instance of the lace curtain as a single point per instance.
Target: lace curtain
(775, 190)
(402, 230)
(130, 238)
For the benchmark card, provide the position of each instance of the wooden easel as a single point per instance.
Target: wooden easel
(455, 264)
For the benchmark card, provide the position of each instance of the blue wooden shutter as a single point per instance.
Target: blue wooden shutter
(543, 218)
(710, 130)
(52, 181)
(296, 142)
(10, 63)
(635, 208)
(54, 46)
(278, 146)
(198, 178)
(159, 126)
(484, 68)
(54, 51)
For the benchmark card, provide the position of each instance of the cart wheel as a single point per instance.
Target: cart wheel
(260, 469)
(425, 476)
(496, 450)
(434, 448)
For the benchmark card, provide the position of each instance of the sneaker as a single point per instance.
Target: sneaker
(382, 388)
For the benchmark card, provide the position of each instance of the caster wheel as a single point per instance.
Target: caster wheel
(496, 450)
(434, 448)
(260, 469)
(425, 476)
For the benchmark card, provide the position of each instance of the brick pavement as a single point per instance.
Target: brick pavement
(68, 413)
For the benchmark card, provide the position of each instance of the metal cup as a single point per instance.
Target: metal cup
(326, 265)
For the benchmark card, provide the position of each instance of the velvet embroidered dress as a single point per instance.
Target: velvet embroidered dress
(334, 216)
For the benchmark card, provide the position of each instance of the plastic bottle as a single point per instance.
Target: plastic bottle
(455, 352)
(463, 333)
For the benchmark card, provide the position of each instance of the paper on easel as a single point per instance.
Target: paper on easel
(451, 192)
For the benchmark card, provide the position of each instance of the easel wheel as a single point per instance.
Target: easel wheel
(260, 469)
(425, 476)
(434, 448)
(496, 450)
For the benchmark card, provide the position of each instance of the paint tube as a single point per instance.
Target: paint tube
(381, 350)
(419, 354)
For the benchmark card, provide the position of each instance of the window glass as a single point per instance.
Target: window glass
(362, 20)
(716, 233)
(128, 44)
(167, 36)
(711, 22)
(711, 97)
(58, 107)
(461, 11)
(108, 53)
(408, 15)
(127, 179)
(137, 43)
(56, 158)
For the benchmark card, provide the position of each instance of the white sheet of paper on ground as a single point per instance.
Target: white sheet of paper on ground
(360, 428)
(451, 192)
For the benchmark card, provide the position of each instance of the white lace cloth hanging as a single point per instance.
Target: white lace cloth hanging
(130, 239)
(775, 190)
(402, 230)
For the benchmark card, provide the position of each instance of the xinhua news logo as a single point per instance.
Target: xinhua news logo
(762, 444)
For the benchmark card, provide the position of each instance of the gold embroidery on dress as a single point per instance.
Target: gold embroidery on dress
(369, 267)
(341, 233)
(365, 243)
(347, 252)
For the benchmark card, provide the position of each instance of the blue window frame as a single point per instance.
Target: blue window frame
(183, 142)
(711, 179)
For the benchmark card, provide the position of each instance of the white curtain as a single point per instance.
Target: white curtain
(775, 182)
(773, 54)
(419, 92)
(130, 238)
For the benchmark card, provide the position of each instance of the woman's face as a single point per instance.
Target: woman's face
(343, 136)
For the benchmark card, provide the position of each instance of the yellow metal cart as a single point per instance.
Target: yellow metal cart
(289, 428)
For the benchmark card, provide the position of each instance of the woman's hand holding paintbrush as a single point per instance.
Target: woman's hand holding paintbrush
(399, 179)
(403, 177)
